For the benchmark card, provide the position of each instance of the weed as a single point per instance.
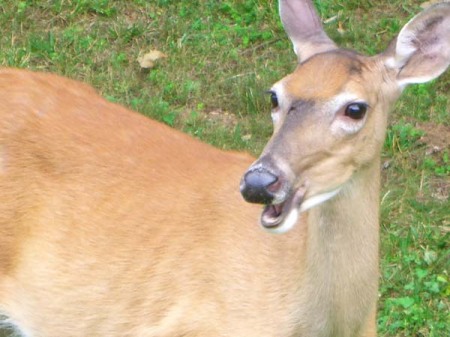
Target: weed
(402, 137)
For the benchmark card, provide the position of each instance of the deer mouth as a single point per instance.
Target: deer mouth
(280, 217)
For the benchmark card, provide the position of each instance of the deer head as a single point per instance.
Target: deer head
(330, 114)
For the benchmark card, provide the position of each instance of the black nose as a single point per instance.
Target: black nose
(255, 186)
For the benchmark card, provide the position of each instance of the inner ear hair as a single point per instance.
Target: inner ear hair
(422, 49)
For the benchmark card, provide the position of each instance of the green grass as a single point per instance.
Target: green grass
(222, 56)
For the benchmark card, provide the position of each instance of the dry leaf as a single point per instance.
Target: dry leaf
(340, 28)
(148, 60)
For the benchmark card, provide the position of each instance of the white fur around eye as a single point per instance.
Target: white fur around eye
(275, 117)
(343, 124)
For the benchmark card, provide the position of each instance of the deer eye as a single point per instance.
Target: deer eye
(356, 110)
(273, 99)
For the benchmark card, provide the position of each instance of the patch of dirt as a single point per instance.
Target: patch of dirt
(216, 117)
(436, 138)
(440, 188)
(221, 117)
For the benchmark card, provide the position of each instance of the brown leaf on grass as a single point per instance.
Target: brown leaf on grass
(341, 29)
(147, 61)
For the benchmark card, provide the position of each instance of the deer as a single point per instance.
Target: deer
(112, 224)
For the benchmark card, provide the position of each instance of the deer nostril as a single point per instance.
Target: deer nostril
(259, 186)
(275, 186)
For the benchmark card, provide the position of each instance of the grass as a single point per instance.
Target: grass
(222, 56)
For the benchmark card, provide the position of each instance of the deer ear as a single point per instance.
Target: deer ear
(422, 49)
(303, 26)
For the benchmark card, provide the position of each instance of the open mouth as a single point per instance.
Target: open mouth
(283, 214)
(281, 217)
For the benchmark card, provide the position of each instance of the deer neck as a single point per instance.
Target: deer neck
(342, 255)
(351, 217)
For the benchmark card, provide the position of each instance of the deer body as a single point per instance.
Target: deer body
(152, 269)
(143, 272)
(115, 225)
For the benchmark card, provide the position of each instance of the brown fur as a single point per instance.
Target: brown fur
(115, 225)
(324, 76)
